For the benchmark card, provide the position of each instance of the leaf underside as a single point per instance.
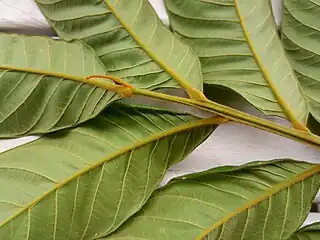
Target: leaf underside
(36, 92)
(239, 48)
(311, 232)
(259, 201)
(129, 38)
(85, 182)
(300, 35)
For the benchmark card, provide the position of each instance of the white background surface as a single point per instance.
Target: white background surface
(231, 144)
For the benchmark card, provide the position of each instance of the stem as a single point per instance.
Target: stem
(126, 90)
(207, 105)
(237, 116)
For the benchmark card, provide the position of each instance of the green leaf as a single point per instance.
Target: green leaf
(42, 88)
(300, 36)
(310, 232)
(130, 40)
(264, 200)
(239, 48)
(85, 182)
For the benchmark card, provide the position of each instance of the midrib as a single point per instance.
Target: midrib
(283, 104)
(108, 85)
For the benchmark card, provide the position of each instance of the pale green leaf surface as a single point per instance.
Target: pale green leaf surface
(239, 48)
(37, 95)
(300, 35)
(129, 38)
(310, 232)
(260, 201)
(85, 182)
